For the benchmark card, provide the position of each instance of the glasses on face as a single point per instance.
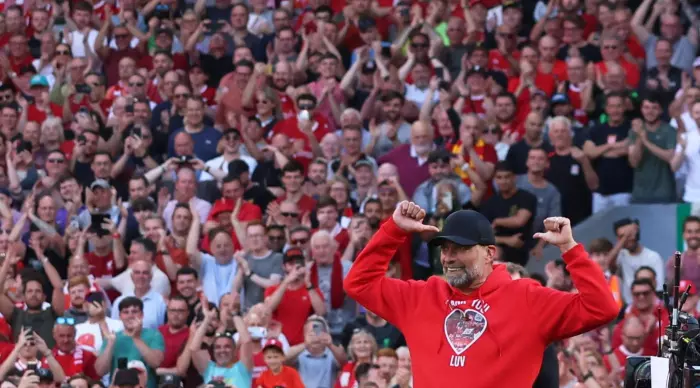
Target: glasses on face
(225, 334)
(492, 131)
(182, 95)
(306, 106)
(300, 241)
(136, 84)
(70, 321)
(59, 160)
(275, 237)
(642, 294)
(289, 214)
(179, 311)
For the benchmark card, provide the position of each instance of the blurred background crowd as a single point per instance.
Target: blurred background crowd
(185, 184)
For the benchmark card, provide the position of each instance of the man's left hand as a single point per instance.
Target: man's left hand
(558, 232)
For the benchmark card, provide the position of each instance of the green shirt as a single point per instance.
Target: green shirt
(654, 181)
(124, 348)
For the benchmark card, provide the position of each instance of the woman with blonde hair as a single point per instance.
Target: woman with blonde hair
(52, 135)
(361, 349)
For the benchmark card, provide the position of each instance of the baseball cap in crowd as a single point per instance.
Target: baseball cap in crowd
(100, 184)
(273, 343)
(466, 228)
(363, 162)
(38, 81)
(560, 98)
(369, 67)
(511, 4)
(683, 284)
(126, 378)
(170, 381)
(137, 365)
(696, 62)
(293, 254)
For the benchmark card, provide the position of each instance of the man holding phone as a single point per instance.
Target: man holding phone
(89, 335)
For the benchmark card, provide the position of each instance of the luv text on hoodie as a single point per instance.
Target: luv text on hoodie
(494, 337)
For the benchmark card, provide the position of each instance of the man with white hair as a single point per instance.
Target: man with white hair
(571, 172)
(329, 271)
(153, 303)
(412, 158)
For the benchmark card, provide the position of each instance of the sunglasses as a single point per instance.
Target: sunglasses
(184, 95)
(300, 241)
(56, 160)
(306, 107)
(289, 214)
(136, 84)
(70, 321)
(225, 334)
(641, 293)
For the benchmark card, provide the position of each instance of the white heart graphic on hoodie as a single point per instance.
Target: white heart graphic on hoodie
(463, 328)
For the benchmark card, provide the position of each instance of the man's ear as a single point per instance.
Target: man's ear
(491, 254)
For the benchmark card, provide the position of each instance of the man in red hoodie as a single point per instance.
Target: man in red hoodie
(469, 326)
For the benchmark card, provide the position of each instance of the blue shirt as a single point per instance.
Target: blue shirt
(217, 279)
(153, 309)
(124, 348)
(205, 142)
(237, 376)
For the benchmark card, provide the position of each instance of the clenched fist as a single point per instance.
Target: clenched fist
(558, 233)
(409, 217)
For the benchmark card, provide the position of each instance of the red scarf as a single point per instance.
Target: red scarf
(337, 292)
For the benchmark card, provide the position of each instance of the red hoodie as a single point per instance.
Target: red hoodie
(482, 338)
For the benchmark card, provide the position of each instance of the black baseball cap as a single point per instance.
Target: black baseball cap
(293, 254)
(466, 228)
(126, 378)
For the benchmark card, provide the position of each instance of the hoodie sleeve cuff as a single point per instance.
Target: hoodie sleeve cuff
(578, 251)
(393, 231)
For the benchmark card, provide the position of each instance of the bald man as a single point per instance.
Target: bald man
(633, 334)
(411, 159)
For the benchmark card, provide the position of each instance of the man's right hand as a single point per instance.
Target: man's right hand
(409, 217)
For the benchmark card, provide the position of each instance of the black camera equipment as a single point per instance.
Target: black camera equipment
(680, 343)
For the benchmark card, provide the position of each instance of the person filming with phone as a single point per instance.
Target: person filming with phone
(24, 357)
(469, 324)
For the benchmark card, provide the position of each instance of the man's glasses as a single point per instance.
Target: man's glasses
(136, 84)
(52, 160)
(300, 241)
(182, 95)
(289, 214)
(641, 294)
(225, 334)
(70, 321)
(306, 106)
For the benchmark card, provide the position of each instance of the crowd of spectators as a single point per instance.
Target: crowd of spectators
(185, 184)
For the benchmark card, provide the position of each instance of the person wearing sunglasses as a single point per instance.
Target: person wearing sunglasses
(72, 359)
(221, 364)
(25, 354)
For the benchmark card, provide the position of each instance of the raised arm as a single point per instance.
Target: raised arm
(392, 299)
(586, 310)
(192, 247)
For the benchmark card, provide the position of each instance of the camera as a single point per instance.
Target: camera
(83, 89)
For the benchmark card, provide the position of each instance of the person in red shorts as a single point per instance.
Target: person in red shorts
(469, 324)
(277, 374)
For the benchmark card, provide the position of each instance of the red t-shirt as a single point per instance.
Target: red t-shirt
(580, 114)
(208, 95)
(249, 212)
(287, 106)
(290, 127)
(17, 63)
(79, 361)
(34, 114)
(498, 62)
(293, 311)
(101, 266)
(475, 104)
(174, 343)
(287, 378)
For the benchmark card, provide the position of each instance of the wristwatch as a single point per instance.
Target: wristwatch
(310, 287)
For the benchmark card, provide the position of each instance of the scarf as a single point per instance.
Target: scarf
(337, 292)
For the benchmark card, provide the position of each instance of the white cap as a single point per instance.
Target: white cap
(136, 364)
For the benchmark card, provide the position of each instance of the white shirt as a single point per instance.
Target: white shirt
(77, 47)
(220, 163)
(630, 263)
(217, 279)
(153, 309)
(203, 208)
(692, 164)
(419, 96)
(89, 336)
(123, 283)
